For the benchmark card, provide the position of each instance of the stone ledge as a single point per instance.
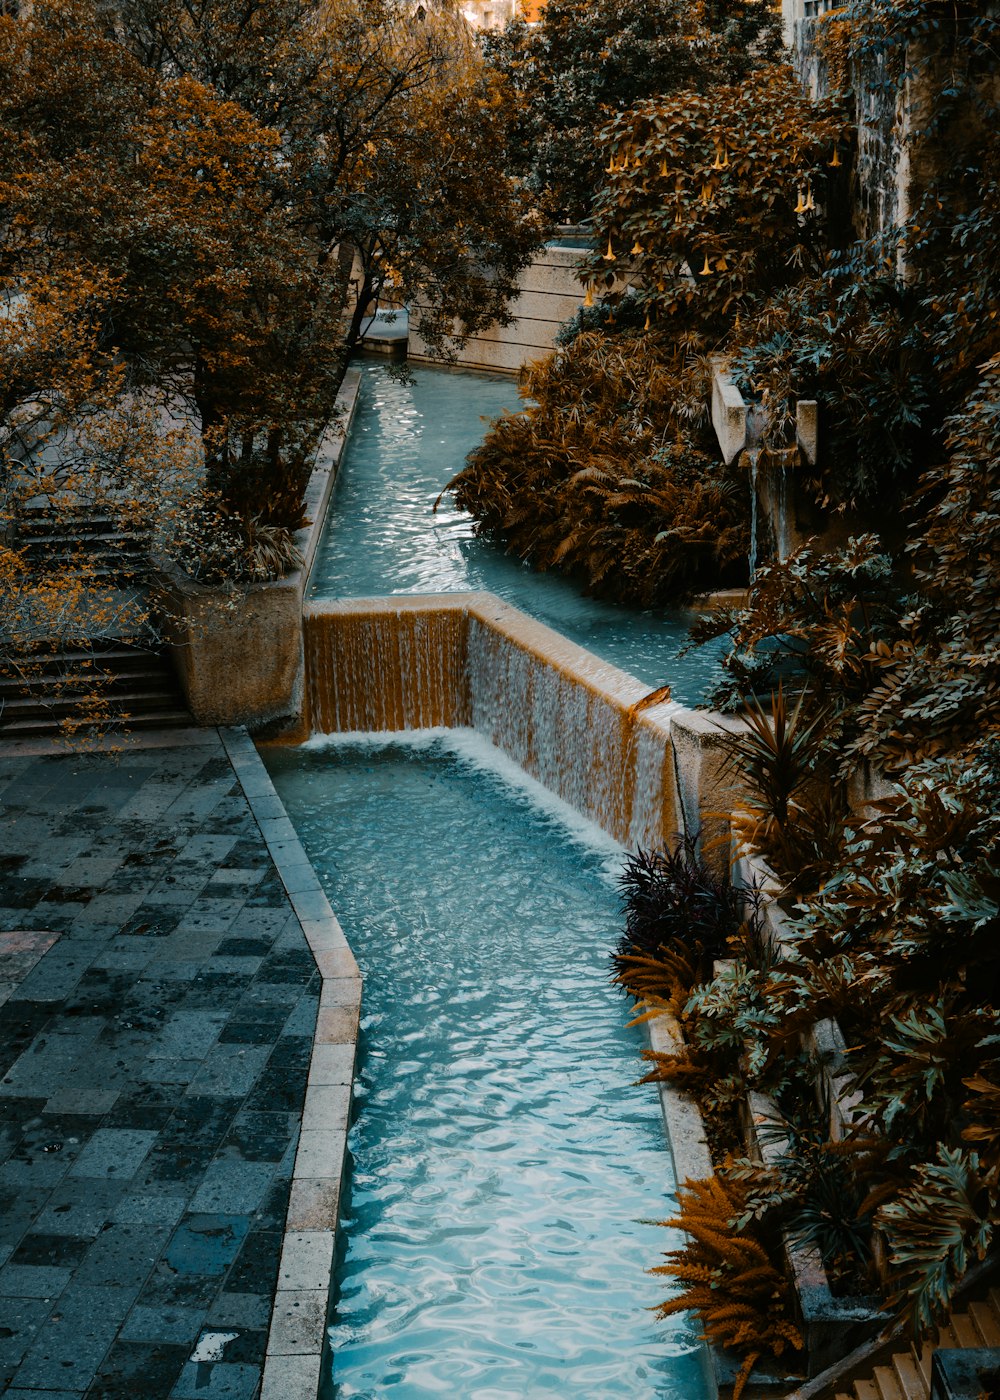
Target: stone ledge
(297, 1345)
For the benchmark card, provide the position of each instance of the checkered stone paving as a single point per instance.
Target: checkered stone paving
(157, 1008)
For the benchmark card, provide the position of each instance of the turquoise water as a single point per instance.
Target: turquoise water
(382, 537)
(502, 1159)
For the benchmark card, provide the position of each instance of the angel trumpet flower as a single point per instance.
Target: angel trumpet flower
(609, 256)
(706, 270)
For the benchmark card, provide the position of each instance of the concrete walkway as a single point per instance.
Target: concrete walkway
(159, 1001)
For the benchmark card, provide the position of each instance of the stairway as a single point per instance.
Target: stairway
(134, 686)
(907, 1376)
(114, 680)
(111, 556)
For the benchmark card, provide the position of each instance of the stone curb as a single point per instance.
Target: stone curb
(297, 1346)
(681, 1114)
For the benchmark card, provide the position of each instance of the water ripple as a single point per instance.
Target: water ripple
(407, 442)
(503, 1157)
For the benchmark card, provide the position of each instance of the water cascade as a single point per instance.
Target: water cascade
(753, 456)
(477, 1018)
(469, 660)
(383, 537)
(781, 531)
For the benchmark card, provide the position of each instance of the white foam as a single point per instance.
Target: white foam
(476, 752)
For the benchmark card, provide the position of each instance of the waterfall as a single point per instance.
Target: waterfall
(753, 453)
(375, 664)
(781, 512)
(566, 717)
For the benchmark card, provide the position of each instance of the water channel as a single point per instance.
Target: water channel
(503, 1162)
(382, 537)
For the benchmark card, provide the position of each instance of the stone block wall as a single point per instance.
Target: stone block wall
(549, 295)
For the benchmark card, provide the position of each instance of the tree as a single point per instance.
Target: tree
(174, 197)
(712, 201)
(588, 60)
(216, 162)
(424, 223)
(388, 124)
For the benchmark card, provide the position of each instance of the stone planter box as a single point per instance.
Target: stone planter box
(831, 1325)
(238, 650)
(969, 1374)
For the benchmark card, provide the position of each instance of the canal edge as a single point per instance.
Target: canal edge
(297, 1343)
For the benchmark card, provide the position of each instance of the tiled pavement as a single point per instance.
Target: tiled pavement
(158, 1007)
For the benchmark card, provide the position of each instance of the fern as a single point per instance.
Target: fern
(726, 1276)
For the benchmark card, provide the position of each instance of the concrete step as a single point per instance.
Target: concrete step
(965, 1330)
(886, 1385)
(80, 674)
(41, 729)
(112, 653)
(922, 1360)
(865, 1390)
(908, 1377)
(986, 1323)
(946, 1337)
(60, 704)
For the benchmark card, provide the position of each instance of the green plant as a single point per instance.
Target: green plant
(791, 806)
(939, 1224)
(267, 551)
(586, 60)
(715, 199)
(815, 1189)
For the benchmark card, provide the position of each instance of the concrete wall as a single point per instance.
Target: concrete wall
(238, 650)
(550, 294)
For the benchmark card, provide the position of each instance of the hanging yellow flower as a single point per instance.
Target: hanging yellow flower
(722, 265)
(706, 270)
(609, 256)
(800, 208)
(637, 249)
(664, 168)
(589, 298)
(835, 159)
